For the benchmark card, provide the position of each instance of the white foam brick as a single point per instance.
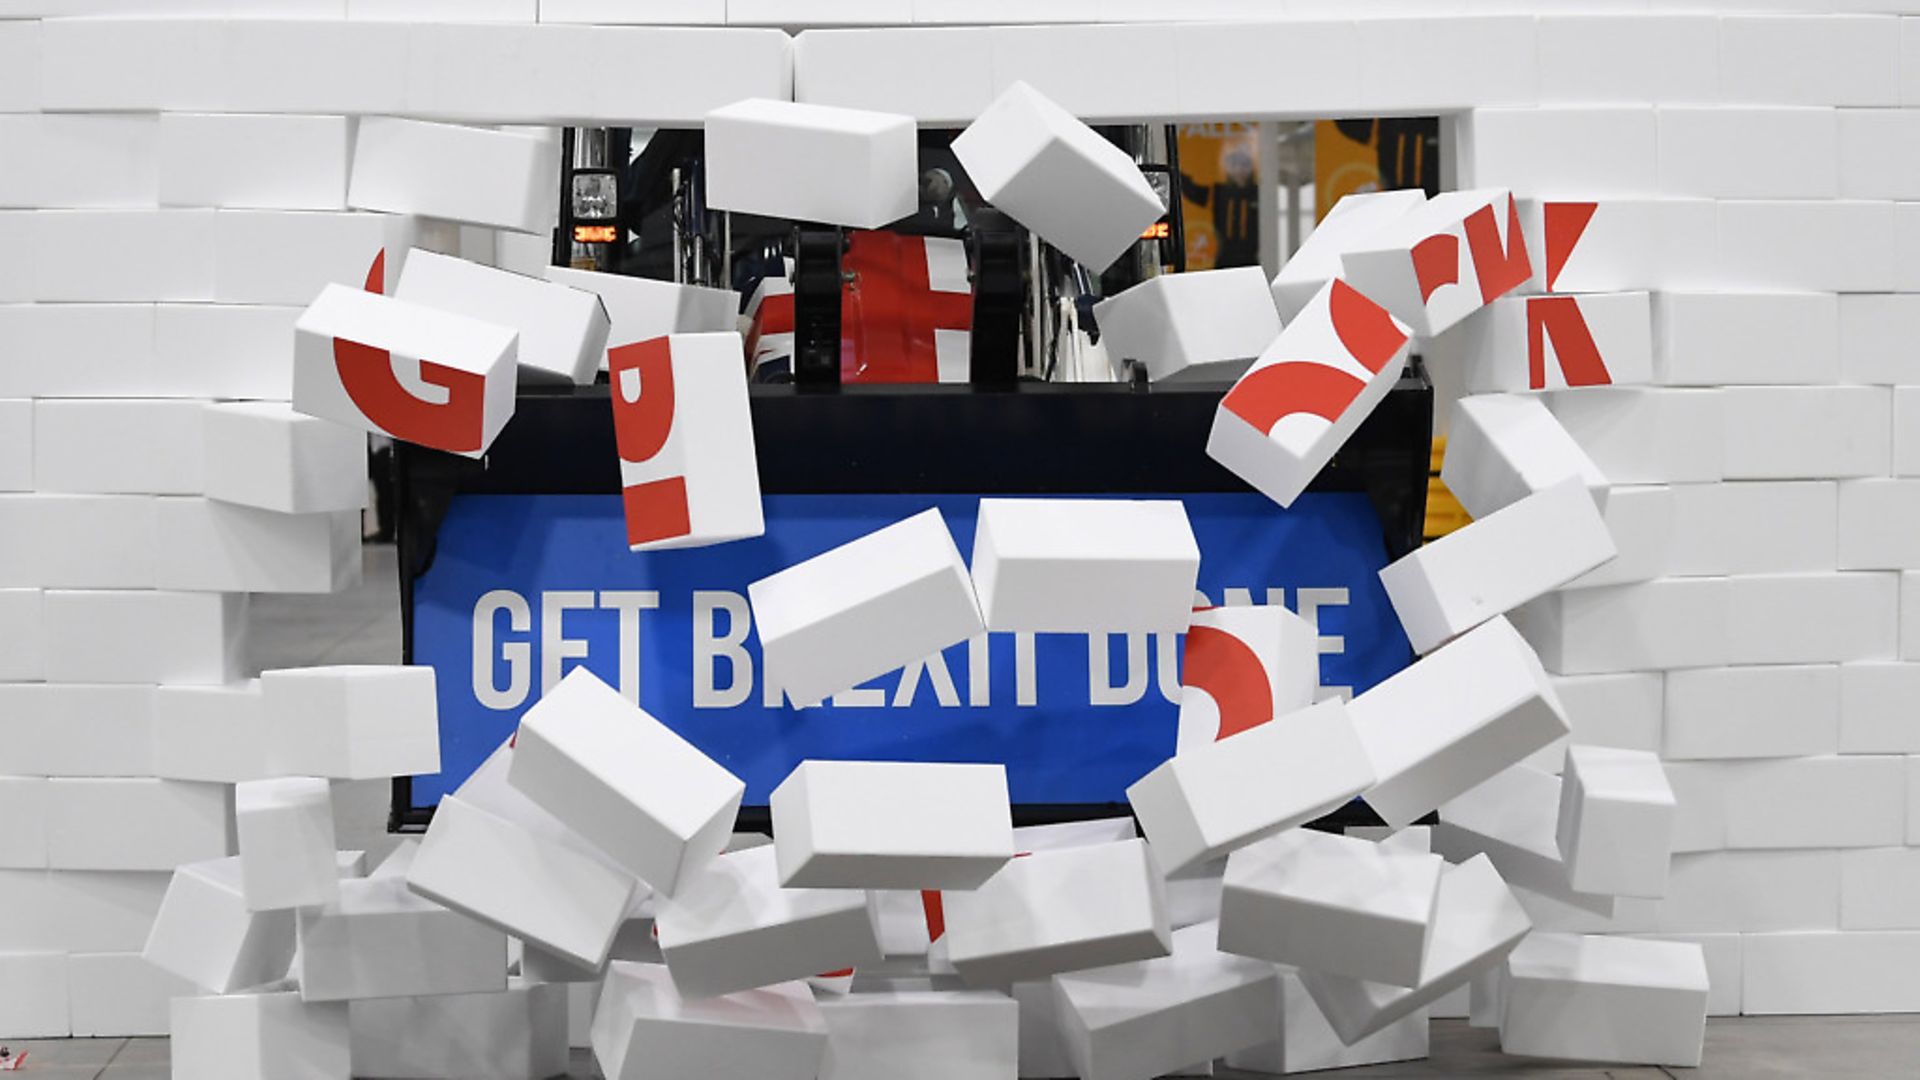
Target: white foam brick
(1103, 904)
(1497, 563)
(643, 1029)
(562, 330)
(862, 609)
(850, 167)
(1306, 394)
(1061, 179)
(377, 939)
(1218, 696)
(1151, 1017)
(347, 343)
(942, 1035)
(1205, 801)
(624, 781)
(1504, 447)
(1455, 718)
(1085, 565)
(500, 179)
(687, 468)
(1636, 1000)
(732, 927)
(1616, 821)
(891, 825)
(353, 722)
(1335, 904)
(285, 830)
(1208, 324)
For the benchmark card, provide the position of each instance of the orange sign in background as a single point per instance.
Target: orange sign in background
(1220, 194)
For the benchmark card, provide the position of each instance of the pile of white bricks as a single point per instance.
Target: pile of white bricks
(1728, 202)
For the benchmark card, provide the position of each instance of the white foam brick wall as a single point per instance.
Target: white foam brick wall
(1797, 133)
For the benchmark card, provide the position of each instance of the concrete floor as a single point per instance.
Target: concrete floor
(1755, 1048)
(362, 626)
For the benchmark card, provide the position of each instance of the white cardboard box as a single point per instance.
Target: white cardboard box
(1218, 695)
(255, 1036)
(1150, 1017)
(460, 382)
(500, 872)
(1840, 431)
(499, 179)
(1061, 910)
(227, 160)
(1349, 224)
(1879, 518)
(891, 825)
(939, 1035)
(732, 927)
(1647, 435)
(1651, 626)
(119, 994)
(285, 830)
(1876, 715)
(624, 781)
(353, 722)
(377, 939)
(685, 437)
(213, 546)
(1753, 527)
(119, 447)
(864, 608)
(1307, 393)
(1829, 972)
(1616, 822)
(1085, 565)
(1335, 904)
(1453, 719)
(135, 824)
(1503, 447)
(265, 455)
(217, 734)
(1056, 176)
(205, 934)
(520, 1034)
(643, 1029)
(1721, 338)
(1471, 251)
(1788, 710)
(562, 330)
(77, 729)
(642, 309)
(1476, 922)
(849, 167)
(1205, 801)
(1605, 999)
(1205, 325)
(1522, 343)
(1521, 551)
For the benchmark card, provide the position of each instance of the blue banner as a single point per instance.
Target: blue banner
(524, 587)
